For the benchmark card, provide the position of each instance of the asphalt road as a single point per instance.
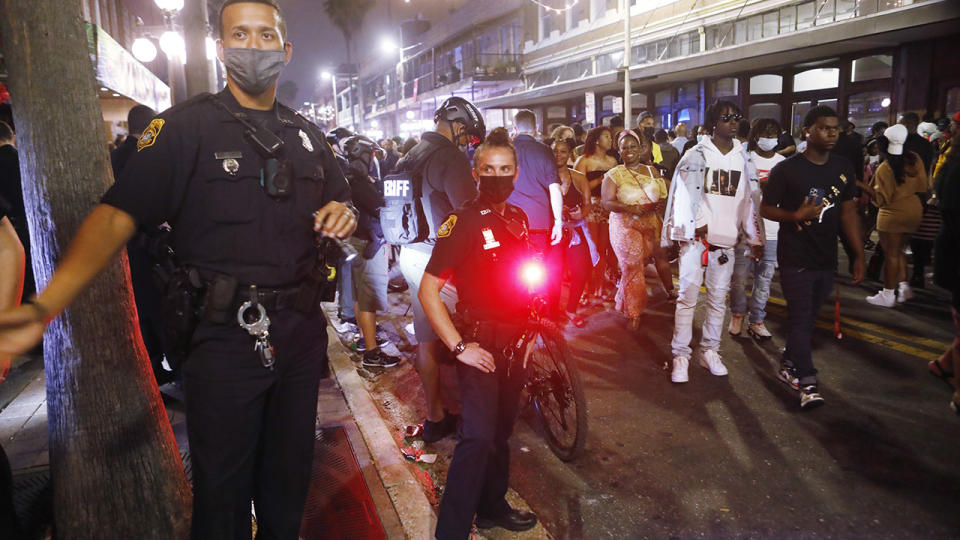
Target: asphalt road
(734, 456)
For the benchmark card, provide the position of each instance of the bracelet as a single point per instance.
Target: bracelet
(43, 314)
(459, 348)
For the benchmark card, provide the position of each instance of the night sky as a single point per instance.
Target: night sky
(317, 43)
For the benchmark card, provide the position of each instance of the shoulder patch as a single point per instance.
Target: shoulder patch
(447, 226)
(149, 135)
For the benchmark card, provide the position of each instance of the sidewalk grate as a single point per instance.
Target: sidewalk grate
(339, 504)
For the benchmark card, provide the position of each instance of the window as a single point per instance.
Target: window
(805, 13)
(606, 104)
(866, 7)
(557, 113)
(766, 84)
(824, 12)
(754, 28)
(764, 110)
(740, 33)
(846, 9)
(867, 108)
(726, 87)
(638, 100)
(788, 19)
(689, 116)
(800, 110)
(953, 99)
(816, 79)
(688, 92)
(771, 24)
(872, 67)
(663, 98)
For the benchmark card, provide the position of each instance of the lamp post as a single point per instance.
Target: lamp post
(173, 46)
(325, 75)
(627, 90)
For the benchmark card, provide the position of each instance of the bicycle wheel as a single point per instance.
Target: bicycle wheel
(557, 394)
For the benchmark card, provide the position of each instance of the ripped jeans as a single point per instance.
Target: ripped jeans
(762, 273)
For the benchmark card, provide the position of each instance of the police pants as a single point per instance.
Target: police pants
(480, 469)
(251, 430)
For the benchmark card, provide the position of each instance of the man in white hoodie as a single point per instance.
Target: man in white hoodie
(711, 205)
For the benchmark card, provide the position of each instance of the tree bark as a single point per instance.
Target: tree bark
(197, 67)
(114, 461)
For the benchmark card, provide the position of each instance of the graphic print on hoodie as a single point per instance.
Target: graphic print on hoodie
(723, 193)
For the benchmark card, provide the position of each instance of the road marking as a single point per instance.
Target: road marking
(913, 338)
(870, 338)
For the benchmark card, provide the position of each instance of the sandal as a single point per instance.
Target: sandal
(937, 370)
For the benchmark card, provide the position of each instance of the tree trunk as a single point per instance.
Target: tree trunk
(197, 67)
(114, 461)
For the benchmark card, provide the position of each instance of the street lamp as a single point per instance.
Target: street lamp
(387, 46)
(172, 44)
(144, 50)
(169, 5)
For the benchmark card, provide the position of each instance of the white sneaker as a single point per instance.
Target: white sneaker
(904, 292)
(679, 373)
(736, 324)
(884, 298)
(711, 360)
(759, 331)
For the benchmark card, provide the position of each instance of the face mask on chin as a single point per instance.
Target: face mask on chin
(766, 144)
(496, 189)
(254, 70)
(700, 137)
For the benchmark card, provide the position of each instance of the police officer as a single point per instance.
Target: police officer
(483, 245)
(246, 184)
(447, 184)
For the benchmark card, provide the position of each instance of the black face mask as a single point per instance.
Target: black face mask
(496, 189)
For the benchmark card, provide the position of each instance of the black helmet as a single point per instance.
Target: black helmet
(359, 150)
(457, 109)
(338, 134)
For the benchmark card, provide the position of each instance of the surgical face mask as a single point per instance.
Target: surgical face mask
(496, 189)
(700, 137)
(254, 70)
(802, 147)
(766, 144)
(873, 159)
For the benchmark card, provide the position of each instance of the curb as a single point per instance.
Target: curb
(411, 504)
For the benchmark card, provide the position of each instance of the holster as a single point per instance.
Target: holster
(180, 311)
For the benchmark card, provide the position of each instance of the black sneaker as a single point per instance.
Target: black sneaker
(810, 398)
(378, 358)
(788, 374)
(434, 431)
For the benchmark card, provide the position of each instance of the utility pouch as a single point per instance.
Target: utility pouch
(218, 300)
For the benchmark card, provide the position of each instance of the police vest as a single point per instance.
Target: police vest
(403, 217)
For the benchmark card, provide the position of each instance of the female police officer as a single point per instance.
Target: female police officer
(483, 246)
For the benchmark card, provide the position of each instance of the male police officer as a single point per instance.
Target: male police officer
(238, 177)
(446, 184)
(483, 245)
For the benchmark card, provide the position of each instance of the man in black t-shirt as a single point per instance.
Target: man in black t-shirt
(811, 194)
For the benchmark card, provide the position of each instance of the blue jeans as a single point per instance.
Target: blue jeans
(762, 273)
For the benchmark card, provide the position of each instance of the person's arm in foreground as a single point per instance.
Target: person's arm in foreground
(436, 312)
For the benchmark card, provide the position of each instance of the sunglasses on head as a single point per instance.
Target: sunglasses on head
(730, 117)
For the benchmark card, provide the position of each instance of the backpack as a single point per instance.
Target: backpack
(402, 217)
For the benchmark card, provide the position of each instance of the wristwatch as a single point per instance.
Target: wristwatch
(459, 348)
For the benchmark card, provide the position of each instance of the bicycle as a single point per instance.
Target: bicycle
(553, 386)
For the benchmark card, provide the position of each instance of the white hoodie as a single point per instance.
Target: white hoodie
(725, 189)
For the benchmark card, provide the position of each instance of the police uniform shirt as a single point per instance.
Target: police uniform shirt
(484, 252)
(195, 169)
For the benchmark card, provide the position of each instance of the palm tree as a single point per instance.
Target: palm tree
(348, 16)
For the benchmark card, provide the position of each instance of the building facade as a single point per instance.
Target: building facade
(869, 59)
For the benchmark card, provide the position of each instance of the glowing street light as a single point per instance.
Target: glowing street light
(172, 44)
(169, 5)
(387, 46)
(325, 75)
(144, 50)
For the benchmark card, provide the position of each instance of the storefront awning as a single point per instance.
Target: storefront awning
(119, 71)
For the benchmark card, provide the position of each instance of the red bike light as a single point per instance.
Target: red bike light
(533, 274)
